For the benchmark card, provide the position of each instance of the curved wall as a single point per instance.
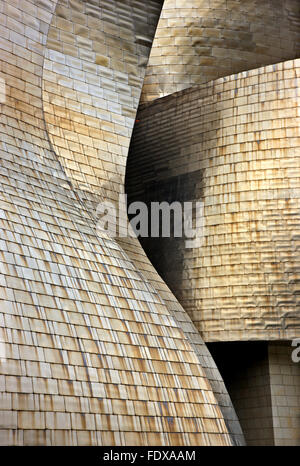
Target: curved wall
(95, 59)
(201, 40)
(233, 144)
(93, 350)
(90, 105)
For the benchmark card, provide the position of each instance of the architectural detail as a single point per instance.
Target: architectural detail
(235, 143)
(264, 384)
(97, 349)
(200, 40)
(232, 145)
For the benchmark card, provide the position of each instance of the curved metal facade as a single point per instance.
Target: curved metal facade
(201, 40)
(95, 348)
(233, 144)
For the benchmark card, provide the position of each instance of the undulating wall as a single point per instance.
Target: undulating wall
(95, 348)
(200, 40)
(233, 144)
(90, 102)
